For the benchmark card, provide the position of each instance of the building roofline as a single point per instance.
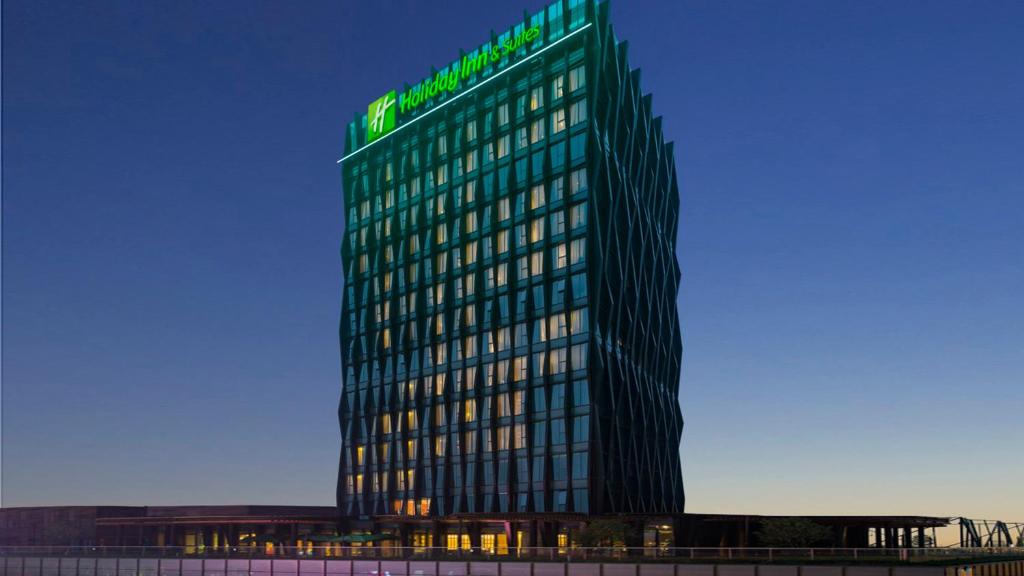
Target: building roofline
(461, 94)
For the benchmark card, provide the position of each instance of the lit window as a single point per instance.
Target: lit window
(557, 87)
(537, 263)
(518, 402)
(520, 436)
(537, 229)
(502, 114)
(536, 97)
(556, 326)
(503, 146)
(537, 131)
(537, 196)
(558, 120)
(519, 368)
(560, 256)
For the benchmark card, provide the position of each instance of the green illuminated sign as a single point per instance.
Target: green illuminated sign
(381, 115)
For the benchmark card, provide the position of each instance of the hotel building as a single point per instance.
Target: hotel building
(509, 335)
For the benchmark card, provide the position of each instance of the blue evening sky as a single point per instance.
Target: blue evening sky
(852, 244)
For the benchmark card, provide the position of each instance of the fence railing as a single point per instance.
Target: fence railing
(563, 554)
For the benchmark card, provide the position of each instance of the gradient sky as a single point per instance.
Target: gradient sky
(852, 244)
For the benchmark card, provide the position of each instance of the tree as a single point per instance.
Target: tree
(793, 533)
(606, 532)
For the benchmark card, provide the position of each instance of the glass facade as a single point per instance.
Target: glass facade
(508, 330)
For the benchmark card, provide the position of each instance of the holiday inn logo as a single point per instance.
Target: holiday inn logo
(380, 117)
(382, 114)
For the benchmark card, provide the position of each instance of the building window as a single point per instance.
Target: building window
(578, 321)
(556, 326)
(536, 97)
(579, 357)
(537, 263)
(578, 216)
(537, 131)
(580, 392)
(503, 210)
(577, 78)
(557, 223)
(537, 229)
(522, 141)
(502, 241)
(536, 196)
(557, 433)
(577, 112)
(503, 437)
(558, 120)
(579, 466)
(557, 87)
(558, 357)
(578, 147)
(560, 258)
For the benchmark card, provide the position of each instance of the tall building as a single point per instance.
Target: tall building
(509, 333)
